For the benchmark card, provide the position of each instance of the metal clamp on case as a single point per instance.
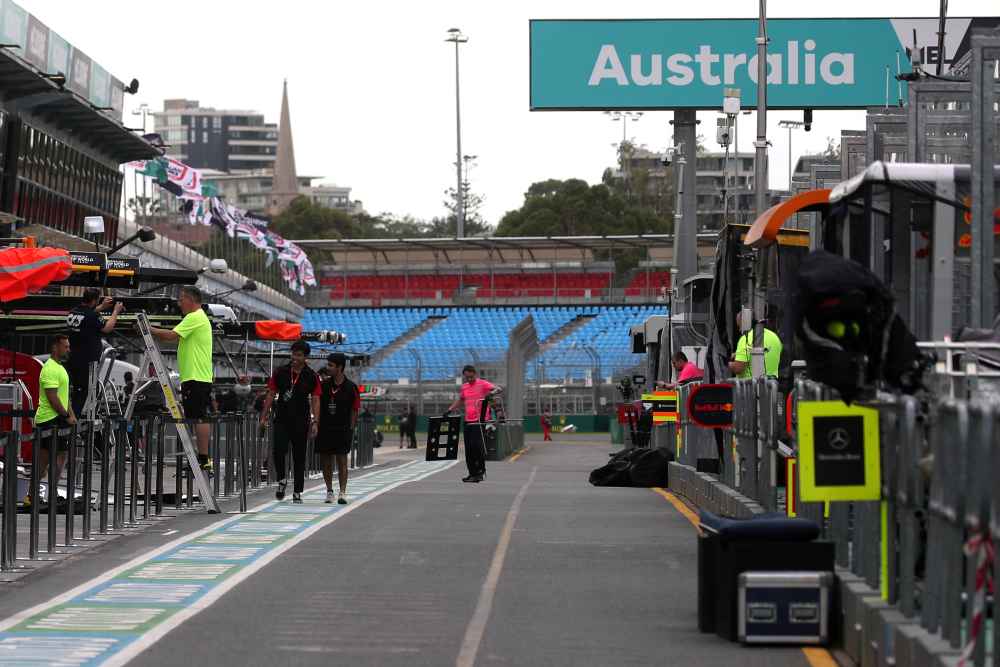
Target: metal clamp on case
(784, 607)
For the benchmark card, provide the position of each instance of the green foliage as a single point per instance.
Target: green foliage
(144, 207)
(832, 151)
(574, 208)
(475, 225)
(304, 219)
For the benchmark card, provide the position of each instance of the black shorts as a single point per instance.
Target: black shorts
(63, 431)
(195, 398)
(334, 442)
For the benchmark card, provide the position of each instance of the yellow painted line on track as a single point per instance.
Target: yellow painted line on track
(815, 656)
(679, 505)
(519, 454)
(819, 657)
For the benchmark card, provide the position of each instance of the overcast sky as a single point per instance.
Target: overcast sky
(371, 84)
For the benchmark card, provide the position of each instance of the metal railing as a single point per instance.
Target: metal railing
(924, 552)
(117, 478)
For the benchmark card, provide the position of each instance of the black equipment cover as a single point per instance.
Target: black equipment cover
(635, 467)
(850, 332)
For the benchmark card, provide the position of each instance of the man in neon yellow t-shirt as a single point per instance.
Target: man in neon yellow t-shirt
(740, 365)
(194, 362)
(54, 409)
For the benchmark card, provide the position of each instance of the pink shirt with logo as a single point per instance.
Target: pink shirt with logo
(473, 394)
(689, 372)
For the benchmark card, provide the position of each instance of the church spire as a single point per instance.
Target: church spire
(285, 185)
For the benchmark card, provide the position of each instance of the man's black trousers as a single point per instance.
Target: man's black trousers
(79, 380)
(291, 436)
(475, 450)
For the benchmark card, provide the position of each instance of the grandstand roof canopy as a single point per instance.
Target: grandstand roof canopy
(452, 250)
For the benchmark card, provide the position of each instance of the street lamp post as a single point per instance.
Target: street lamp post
(790, 125)
(456, 37)
(624, 117)
(595, 369)
(142, 111)
(469, 161)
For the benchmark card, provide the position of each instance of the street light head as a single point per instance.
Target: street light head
(455, 35)
(57, 78)
(217, 265)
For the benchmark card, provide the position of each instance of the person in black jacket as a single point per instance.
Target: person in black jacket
(294, 392)
(85, 330)
(411, 424)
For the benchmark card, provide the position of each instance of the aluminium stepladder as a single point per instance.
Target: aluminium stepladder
(152, 356)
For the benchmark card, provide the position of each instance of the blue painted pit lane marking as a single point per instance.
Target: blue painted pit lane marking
(113, 618)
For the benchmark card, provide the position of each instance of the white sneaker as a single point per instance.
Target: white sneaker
(329, 497)
(341, 499)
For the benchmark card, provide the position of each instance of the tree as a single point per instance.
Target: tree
(304, 219)
(474, 223)
(832, 150)
(574, 208)
(145, 207)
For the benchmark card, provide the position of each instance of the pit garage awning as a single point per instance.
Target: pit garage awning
(764, 230)
(23, 87)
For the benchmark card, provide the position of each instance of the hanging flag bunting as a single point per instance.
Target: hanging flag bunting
(202, 205)
(176, 177)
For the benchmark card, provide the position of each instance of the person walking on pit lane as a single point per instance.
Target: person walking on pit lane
(194, 363)
(339, 403)
(472, 394)
(411, 423)
(85, 330)
(294, 392)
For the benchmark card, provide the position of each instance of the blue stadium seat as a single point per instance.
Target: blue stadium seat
(467, 334)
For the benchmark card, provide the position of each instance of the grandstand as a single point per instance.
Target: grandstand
(543, 271)
(423, 308)
(446, 338)
(402, 286)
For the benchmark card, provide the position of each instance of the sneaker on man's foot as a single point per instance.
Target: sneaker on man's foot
(342, 498)
(297, 498)
(329, 496)
(279, 494)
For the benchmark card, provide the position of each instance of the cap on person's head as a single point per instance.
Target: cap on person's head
(91, 294)
(338, 359)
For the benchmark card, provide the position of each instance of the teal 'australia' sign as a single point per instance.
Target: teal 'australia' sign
(686, 63)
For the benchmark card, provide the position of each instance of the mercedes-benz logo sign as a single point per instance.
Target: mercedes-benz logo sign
(838, 438)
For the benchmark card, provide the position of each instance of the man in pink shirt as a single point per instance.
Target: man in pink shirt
(686, 371)
(473, 395)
